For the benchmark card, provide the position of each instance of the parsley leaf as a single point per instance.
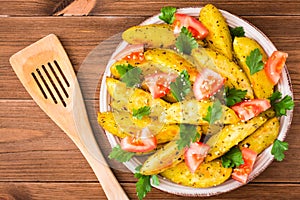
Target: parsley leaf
(167, 14)
(141, 112)
(185, 42)
(214, 112)
(132, 77)
(123, 69)
(143, 185)
(233, 96)
(237, 32)
(181, 86)
(254, 61)
(120, 155)
(278, 148)
(281, 106)
(188, 134)
(232, 158)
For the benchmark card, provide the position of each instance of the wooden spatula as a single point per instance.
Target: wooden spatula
(47, 74)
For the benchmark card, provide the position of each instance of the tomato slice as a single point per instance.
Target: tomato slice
(274, 65)
(198, 30)
(159, 83)
(250, 108)
(195, 155)
(242, 172)
(138, 144)
(207, 83)
(135, 56)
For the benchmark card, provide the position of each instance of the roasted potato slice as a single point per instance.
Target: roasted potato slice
(219, 37)
(193, 112)
(235, 77)
(207, 175)
(231, 135)
(153, 35)
(262, 87)
(166, 157)
(263, 137)
(170, 61)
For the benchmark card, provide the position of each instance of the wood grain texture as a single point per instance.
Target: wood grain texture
(37, 159)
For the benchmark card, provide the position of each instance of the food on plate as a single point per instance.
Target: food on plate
(197, 98)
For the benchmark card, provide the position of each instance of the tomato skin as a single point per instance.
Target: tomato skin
(135, 56)
(198, 30)
(274, 66)
(133, 144)
(159, 83)
(250, 108)
(195, 155)
(207, 83)
(242, 172)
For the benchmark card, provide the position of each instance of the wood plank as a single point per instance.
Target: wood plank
(138, 8)
(87, 33)
(82, 191)
(34, 148)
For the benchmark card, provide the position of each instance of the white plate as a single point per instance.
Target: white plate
(263, 160)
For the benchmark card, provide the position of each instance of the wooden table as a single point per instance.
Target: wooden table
(38, 161)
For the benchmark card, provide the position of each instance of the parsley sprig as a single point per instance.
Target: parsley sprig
(130, 75)
(188, 134)
(254, 61)
(232, 158)
(182, 86)
(278, 149)
(233, 96)
(120, 155)
(214, 112)
(167, 14)
(237, 32)
(143, 185)
(185, 42)
(281, 105)
(141, 112)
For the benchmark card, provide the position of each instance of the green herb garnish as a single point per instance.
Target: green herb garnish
(254, 61)
(232, 158)
(233, 96)
(188, 134)
(133, 77)
(278, 149)
(167, 14)
(141, 112)
(120, 155)
(143, 185)
(237, 32)
(185, 42)
(281, 106)
(182, 86)
(214, 112)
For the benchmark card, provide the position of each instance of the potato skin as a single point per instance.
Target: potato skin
(231, 135)
(153, 35)
(164, 158)
(193, 112)
(235, 77)
(219, 37)
(207, 175)
(170, 61)
(262, 87)
(263, 137)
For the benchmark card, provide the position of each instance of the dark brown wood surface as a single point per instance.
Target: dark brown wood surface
(38, 161)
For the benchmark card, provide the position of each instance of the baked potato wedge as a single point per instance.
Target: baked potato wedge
(166, 157)
(170, 61)
(263, 137)
(231, 135)
(235, 77)
(152, 36)
(207, 175)
(193, 112)
(262, 87)
(219, 37)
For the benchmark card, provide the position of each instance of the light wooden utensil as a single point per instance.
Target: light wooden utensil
(47, 74)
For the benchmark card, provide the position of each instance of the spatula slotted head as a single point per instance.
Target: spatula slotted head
(47, 74)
